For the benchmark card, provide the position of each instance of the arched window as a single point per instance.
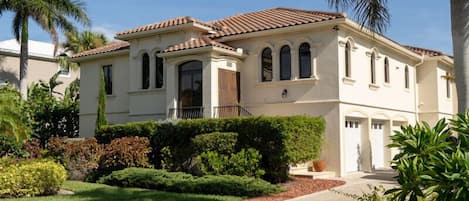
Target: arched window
(305, 60)
(348, 69)
(159, 76)
(266, 61)
(145, 71)
(285, 63)
(448, 85)
(386, 70)
(373, 68)
(406, 77)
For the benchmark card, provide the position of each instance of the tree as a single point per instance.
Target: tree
(101, 116)
(12, 118)
(374, 14)
(50, 15)
(87, 40)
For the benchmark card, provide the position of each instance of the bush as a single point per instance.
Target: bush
(33, 148)
(185, 183)
(125, 152)
(31, 178)
(79, 157)
(280, 140)
(222, 143)
(9, 147)
(243, 163)
(107, 133)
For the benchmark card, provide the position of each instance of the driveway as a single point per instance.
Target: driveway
(355, 184)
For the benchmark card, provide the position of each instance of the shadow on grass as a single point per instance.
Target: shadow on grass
(132, 194)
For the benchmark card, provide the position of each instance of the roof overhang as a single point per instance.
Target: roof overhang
(280, 30)
(100, 55)
(238, 54)
(30, 56)
(443, 59)
(189, 26)
(366, 33)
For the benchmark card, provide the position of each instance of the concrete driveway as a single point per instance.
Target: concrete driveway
(355, 184)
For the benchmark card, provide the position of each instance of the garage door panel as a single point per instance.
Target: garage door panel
(377, 145)
(352, 146)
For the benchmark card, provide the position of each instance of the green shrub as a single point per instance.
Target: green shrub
(243, 163)
(125, 152)
(107, 133)
(33, 148)
(79, 157)
(31, 178)
(10, 147)
(222, 143)
(280, 140)
(186, 183)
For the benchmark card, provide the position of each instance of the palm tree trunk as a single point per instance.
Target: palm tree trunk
(460, 29)
(24, 59)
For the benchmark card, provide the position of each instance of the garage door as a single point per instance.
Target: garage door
(377, 145)
(352, 146)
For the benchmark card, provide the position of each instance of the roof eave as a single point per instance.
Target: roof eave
(442, 58)
(280, 30)
(176, 28)
(100, 55)
(238, 54)
(357, 28)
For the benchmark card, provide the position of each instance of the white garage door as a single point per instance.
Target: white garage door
(377, 145)
(352, 146)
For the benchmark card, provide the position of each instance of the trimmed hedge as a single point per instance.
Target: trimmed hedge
(30, 178)
(222, 143)
(280, 140)
(185, 183)
(141, 129)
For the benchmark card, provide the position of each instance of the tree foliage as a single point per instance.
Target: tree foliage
(12, 120)
(101, 116)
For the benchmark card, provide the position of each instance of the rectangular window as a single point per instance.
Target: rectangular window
(159, 72)
(107, 69)
(448, 86)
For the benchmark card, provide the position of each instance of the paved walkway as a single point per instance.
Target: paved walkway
(356, 184)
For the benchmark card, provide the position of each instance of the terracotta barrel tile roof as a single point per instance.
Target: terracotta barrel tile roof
(166, 23)
(104, 49)
(270, 19)
(423, 51)
(203, 41)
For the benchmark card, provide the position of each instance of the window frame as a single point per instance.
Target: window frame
(387, 79)
(159, 65)
(448, 85)
(406, 77)
(264, 64)
(373, 68)
(348, 59)
(145, 71)
(108, 79)
(285, 63)
(306, 57)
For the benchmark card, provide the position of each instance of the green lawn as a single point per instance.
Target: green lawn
(98, 192)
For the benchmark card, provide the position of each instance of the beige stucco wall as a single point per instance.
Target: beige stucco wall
(38, 69)
(117, 104)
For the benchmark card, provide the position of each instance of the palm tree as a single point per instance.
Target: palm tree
(374, 15)
(12, 119)
(87, 40)
(50, 15)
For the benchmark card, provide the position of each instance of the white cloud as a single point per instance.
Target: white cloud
(107, 30)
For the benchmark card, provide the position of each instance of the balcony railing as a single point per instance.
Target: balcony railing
(186, 113)
(230, 111)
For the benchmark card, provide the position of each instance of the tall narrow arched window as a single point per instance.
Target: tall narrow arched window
(406, 77)
(348, 69)
(285, 63)
(448, 85)
(373, 68)
(386, 70)
(266, 63)
(305, 60)
(145, 71)
(159, 76)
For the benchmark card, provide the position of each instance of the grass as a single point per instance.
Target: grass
(99, 192)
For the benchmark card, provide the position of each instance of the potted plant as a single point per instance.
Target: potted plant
(319, 165)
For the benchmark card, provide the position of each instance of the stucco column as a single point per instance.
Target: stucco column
(314, 61)
(295, 67)
(152, 71)
(171, 88)
(366, 147)
(209, 87)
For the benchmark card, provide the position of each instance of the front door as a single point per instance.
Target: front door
(190, 90)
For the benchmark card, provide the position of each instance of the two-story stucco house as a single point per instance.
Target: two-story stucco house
(42, 64)
(273, 62)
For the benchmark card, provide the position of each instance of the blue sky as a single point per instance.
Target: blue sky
(424, 23)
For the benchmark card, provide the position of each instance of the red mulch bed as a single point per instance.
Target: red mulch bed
(300, 186)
